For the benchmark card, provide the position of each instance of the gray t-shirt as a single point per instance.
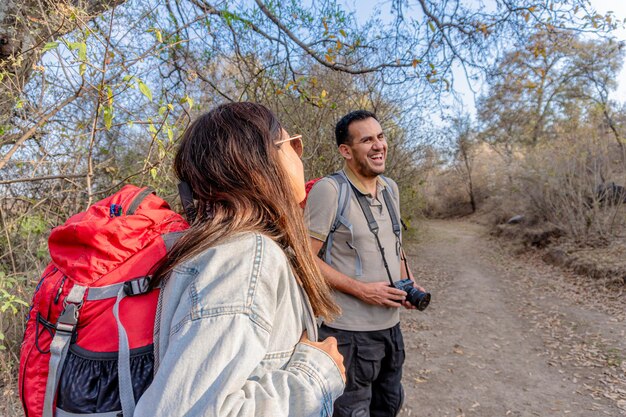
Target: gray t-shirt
(319, 214)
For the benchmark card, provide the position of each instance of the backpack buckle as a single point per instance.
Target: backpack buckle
(137, 286)
(68, 318)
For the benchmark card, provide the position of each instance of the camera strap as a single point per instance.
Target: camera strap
(395, 222)
(373, 226)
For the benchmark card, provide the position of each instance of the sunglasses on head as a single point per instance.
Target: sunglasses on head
(296, 144)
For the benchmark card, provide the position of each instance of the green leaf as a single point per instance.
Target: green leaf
(108, 117)
(109, 96)
(145, 90)
(189, 101)
(21, 302)
(158, 35)
(49, 46)
(431, 25)
(228, 17)
(32, 225)
(82, 68)
(161, 150)
(82, 49)
(170, 133)
(153, 173)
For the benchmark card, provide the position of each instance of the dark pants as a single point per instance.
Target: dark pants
(373, 362)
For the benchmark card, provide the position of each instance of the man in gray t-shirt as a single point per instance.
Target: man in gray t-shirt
(368, 331)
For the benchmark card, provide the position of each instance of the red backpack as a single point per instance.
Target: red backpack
(307, 187)
(92, 314)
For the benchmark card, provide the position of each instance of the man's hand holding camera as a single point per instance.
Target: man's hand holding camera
(381, 294)
(404, 293)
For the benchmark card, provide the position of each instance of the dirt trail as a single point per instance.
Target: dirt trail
(508, 336)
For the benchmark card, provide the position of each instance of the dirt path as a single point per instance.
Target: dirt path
(508, 336)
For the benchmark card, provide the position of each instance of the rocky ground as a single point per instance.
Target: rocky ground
(509, 335)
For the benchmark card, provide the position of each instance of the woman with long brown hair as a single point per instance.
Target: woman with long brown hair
(241, 288)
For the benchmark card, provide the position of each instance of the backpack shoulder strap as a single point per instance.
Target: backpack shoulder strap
(391, 208)
(387, 183)
(343, 198)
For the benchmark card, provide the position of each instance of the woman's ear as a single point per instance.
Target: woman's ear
(345, 151)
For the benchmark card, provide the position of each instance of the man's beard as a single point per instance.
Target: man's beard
(366, 171)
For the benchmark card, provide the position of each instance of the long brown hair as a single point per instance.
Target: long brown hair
(229, 158)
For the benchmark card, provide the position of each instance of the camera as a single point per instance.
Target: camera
(414, 296)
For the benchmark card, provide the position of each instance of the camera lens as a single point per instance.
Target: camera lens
(418, 298)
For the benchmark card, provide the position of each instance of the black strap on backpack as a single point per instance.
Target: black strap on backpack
(134, 205)
(186, 198)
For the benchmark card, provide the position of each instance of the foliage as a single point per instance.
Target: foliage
(546, 139)
(560, 181)
(554, 78)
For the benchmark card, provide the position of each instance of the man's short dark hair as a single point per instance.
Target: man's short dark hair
(341, 130)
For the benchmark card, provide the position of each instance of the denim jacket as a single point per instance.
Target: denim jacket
(230, 322)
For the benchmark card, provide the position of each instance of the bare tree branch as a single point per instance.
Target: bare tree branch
(44, 178)
(44, 118)
(334, 66)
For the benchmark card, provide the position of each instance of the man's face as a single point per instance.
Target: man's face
(367, 151)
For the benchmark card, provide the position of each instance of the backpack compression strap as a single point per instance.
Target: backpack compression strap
(65, 327)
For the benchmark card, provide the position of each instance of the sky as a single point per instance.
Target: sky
(618, 7)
